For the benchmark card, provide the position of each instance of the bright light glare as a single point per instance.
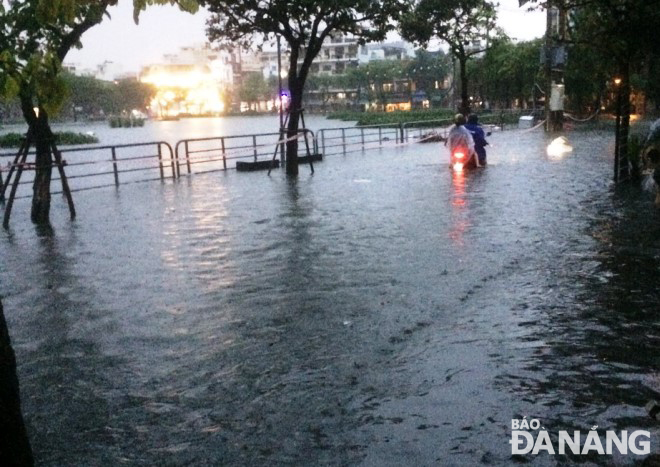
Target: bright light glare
(186, 89)
(459, 155)
(458, 166)
(558, 148)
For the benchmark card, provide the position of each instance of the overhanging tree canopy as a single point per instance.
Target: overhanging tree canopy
(466, 26)
(36, 37)
(304, 25)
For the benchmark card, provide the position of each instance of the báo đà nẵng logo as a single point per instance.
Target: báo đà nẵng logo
(529, 437)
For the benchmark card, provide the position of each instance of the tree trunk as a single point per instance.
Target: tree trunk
(296, 88)
(624, 129)
(43, 170)
(465, 101)
(14, 443)
(41, 136)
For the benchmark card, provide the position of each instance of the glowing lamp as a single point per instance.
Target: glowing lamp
(617, 81)
(558, 148)
(459, 155)
(458, 166)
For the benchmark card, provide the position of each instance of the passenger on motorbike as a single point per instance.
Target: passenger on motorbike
(478, 136)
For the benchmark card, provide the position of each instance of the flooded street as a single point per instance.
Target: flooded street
(382, 311)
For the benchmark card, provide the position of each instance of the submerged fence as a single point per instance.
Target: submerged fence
(102, 166)
(202, 155)
(353, 139)
(105, 166)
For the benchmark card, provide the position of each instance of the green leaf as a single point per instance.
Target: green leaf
(189, 6)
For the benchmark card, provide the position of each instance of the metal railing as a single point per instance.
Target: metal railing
(103, 166)
(346, 140)
(213, 154)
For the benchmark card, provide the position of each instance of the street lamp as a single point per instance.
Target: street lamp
(617, 153)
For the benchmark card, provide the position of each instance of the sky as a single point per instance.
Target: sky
(165, 29)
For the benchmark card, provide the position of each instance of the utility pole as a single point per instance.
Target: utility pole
(279, 79)
(554, 64)
(279, 97)
(548, 64)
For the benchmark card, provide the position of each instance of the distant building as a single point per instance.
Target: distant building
(342, 53)
(106, 71)
(76, 69)
(219, 62)
(126, 76)
(270, 64)
(338, 54)
(386, 51)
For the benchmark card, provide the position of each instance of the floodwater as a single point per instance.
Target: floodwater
(382, 311)
(172, 131)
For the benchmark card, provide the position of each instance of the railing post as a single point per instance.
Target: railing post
(187, 157)
(224, 156)
(114, 166)
(160, 162)
(362, 137)
(343, 139)
(254, 145)
(169, 148)
(380, 135)
(306, 141)
(401, 130)
(323, 140)
(176, 158)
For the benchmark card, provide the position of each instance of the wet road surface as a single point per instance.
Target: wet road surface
(380, 312)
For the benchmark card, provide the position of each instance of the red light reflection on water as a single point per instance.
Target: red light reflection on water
(458, 186)
(459, 208)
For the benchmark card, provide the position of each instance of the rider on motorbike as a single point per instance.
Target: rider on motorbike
(459, 139)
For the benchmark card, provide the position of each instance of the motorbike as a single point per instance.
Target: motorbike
(461, 159)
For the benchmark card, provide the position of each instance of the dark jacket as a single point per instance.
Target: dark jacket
(479, 138)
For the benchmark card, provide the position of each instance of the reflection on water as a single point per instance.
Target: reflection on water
(459, 212)
(239, 319)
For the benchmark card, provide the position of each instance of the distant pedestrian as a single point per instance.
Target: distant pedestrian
(652, 155)
(478, 136)
(653, 137)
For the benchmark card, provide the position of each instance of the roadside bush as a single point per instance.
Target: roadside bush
(65, 138)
